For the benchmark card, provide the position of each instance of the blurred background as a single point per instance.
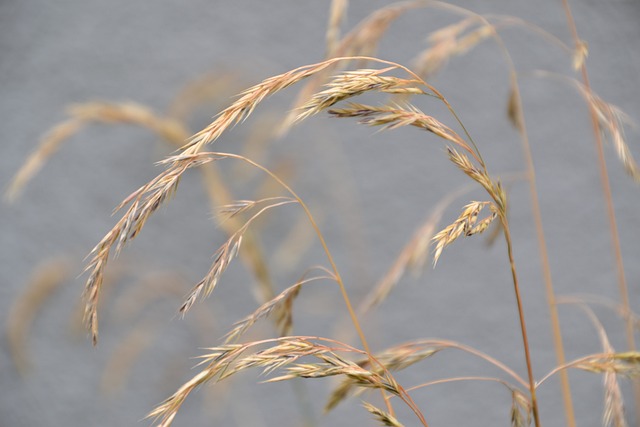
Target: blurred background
(370, 191)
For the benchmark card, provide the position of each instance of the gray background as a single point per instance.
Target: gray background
(56, 53)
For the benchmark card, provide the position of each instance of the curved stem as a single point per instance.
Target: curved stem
(493, 361)
(457, 379)
(570, 365)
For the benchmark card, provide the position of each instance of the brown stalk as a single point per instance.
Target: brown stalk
(606, 189)
(525, 340)
(516, 114)
(494, 189)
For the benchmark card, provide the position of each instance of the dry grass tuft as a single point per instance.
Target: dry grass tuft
(480, 176)
(145, 201)
(467, 224)
(392, 359)
(392, 117)
(385, 418)
(610, 121)
(353, 83)
(520, 409)
(283, 354)
(360, 42)
(248, 101)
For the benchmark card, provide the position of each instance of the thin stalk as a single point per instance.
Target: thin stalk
(544, 259)
(457, 379)
(570, 365)
(523, 327)
(606, 189)
(485, 357)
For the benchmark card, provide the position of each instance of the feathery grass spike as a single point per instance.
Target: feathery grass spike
(385, 418)
(467, 224)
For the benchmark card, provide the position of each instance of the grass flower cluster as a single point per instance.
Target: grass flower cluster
(341, 86)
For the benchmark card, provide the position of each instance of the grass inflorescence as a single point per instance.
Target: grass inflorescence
(333, 87)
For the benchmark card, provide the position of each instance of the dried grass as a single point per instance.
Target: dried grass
(520, 409)
(148, 198)
(291, 357)
(392, 359)
(467, 224)
(383, 417)
(283, 355)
